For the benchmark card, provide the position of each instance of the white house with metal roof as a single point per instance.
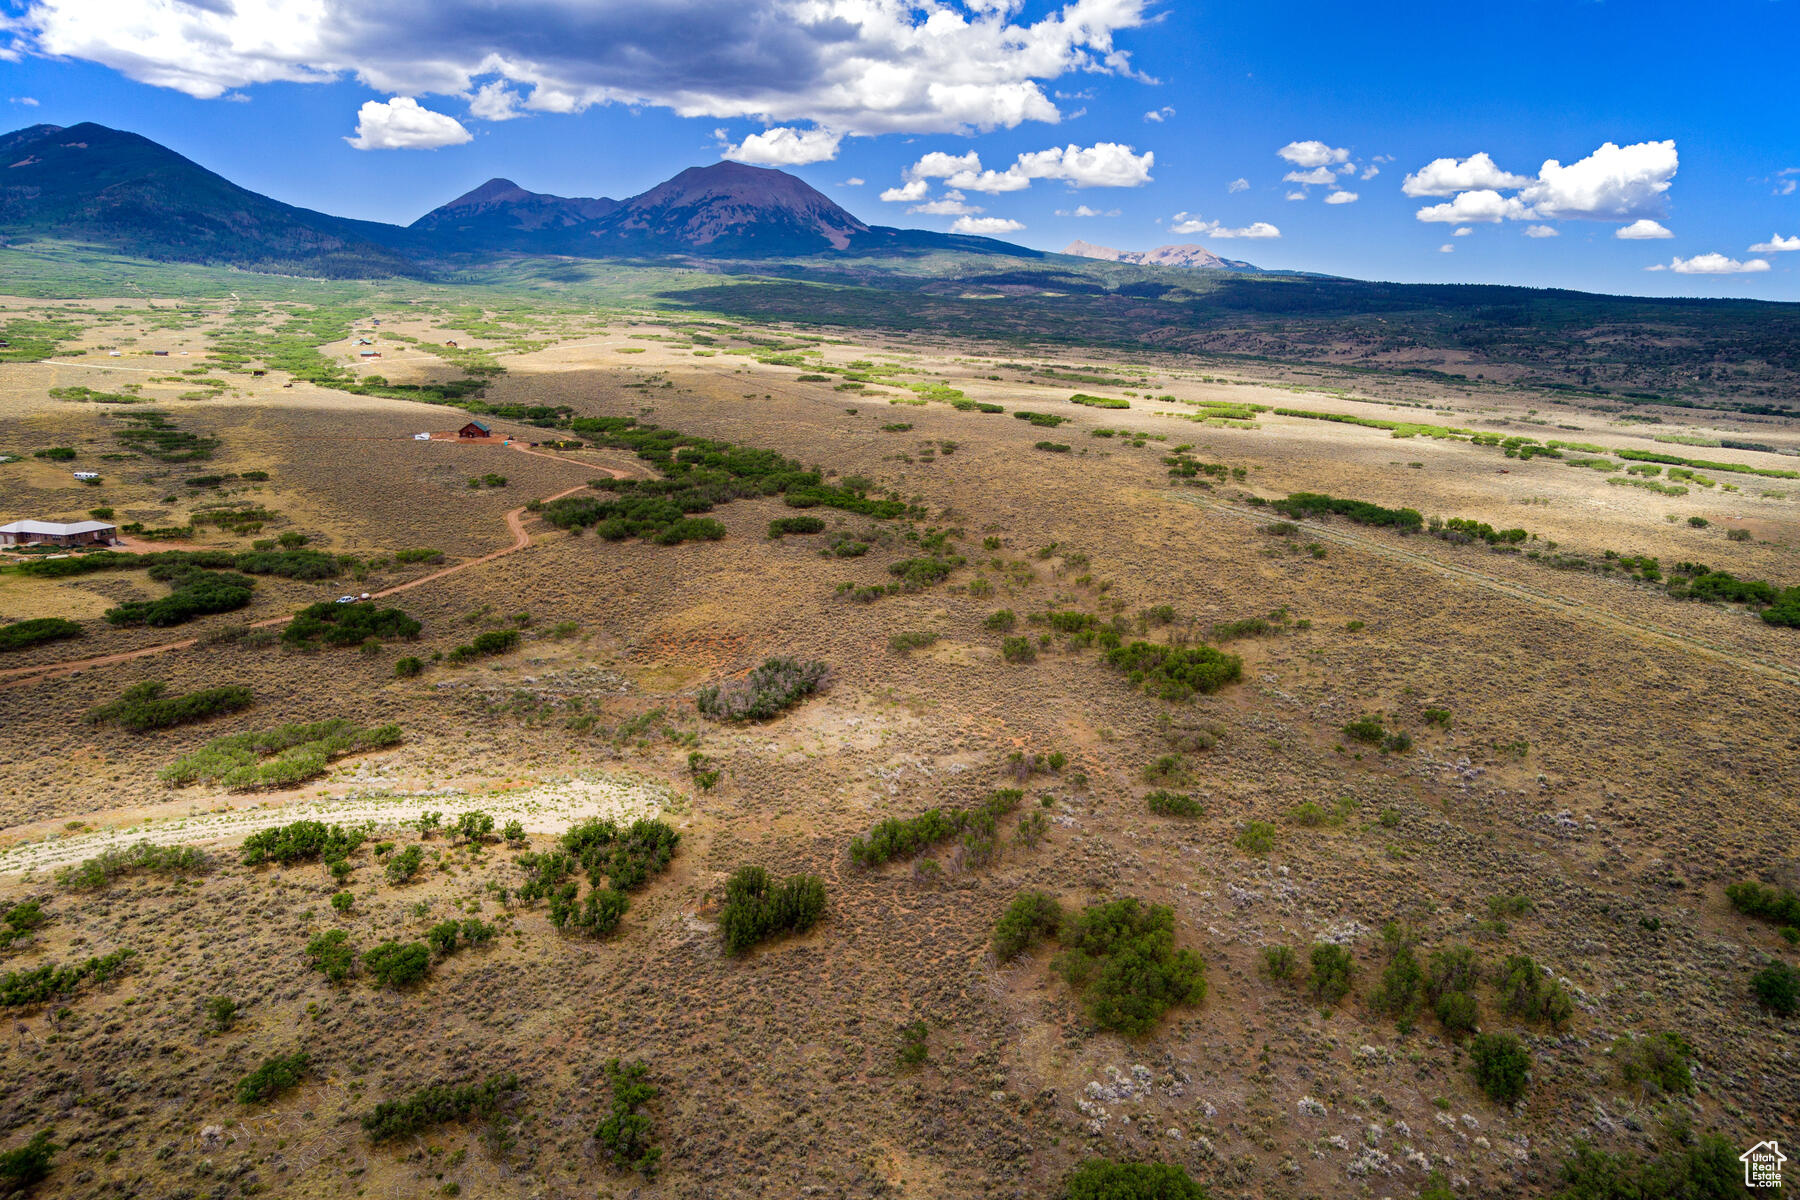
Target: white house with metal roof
(58, 533)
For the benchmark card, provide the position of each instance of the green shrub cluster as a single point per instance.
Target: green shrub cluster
(1778, 905)
(1777, 988)
(757, 908)
(1045, 420)
(302, 841)
(1165, 803)
(1528, 992)
(917, 574)
(330, 954)
(909, 640)
(1401, 990)
(143, 706)
(696, 475)
(1333, 971)
(49, 981)
(624, 1134)
(1300, 505)
(598, 917)
(397, 964)
(108, 865)
(1082, 398)
(279, 757)
(27, 1166)
(1029, 919)
(348, 624)
(1175, 673)
(1052, 447)
(1703, 1169)
(436, 1105)
(1501, 1066)
(19, 922)
(405, 865)
(1657, 1061)
(34, 631)
(902, 837)
(288, 564)
(1104, 1179)
(275, 1076)
(626, 858)
(782, 526)
(772, 688)
(915, 1044)
(1122, 955)
(154, 435)
(195, 593)
(1450, 978)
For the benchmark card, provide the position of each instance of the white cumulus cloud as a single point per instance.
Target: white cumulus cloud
(856, 66)
(1479, 207)
(404, 124)
(1616, 182)
(494, 101)
(1642, 230)
(853, 181)
(1717, 264)
(1447, 176)
(1082, 210)
(1238, 185)
(27, 101)
(938, 165)
(950, 204)
(1316, 176)
(1313, 154)
(985, 226)
(1159, 115)
(1462, 231)
(1542, 231)
(1776, 245)
(1341, 197)
(1104, 164)
(910, 192)
(784, 146)
(1191, 223)
(1620, 183)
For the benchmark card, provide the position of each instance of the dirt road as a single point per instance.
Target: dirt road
(515, 524)
(1541, 597)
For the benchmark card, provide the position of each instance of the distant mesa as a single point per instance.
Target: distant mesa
(1189, 255)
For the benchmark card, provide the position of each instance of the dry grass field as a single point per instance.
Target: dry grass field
(1587, 764)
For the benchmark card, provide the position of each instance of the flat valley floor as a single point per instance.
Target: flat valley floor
(1575, 767)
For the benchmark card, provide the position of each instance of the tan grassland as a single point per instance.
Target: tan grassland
(1615, 756)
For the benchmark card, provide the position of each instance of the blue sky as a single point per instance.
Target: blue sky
(1674, 123)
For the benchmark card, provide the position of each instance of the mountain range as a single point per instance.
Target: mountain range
(1188, 254)
(112, 188)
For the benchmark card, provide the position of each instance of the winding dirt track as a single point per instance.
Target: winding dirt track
(515, 524)
(1520, 591)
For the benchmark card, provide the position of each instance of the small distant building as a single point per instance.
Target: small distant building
(450, 342)
(370, 354)
(160, 353)
(474, 429)
(86, 475)
(58, 533)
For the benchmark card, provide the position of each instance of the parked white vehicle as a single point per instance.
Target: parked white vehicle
(421, 437)
(346, 599)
